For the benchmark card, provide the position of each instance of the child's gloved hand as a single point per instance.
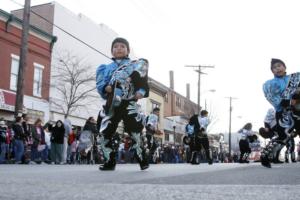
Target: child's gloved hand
(108, 89)
(138, 96)
(285, 103)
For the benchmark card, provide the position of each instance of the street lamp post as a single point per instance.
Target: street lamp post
(211, 90)
(199, 81)
(229, 133)
(221, 141)
(174, 128)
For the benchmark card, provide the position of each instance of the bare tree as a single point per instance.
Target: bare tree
(74, 81)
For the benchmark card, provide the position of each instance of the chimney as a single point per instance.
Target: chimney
(172, 80)
(188, 91)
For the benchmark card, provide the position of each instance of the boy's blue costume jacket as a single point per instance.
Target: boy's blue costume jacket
(126, 78)
(281, 88)
(279, 91)
(119, 71)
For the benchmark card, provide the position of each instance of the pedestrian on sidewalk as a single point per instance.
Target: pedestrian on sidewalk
(57, 142)
(3, 145)
(19, 139)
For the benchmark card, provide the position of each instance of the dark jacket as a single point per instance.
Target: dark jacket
(3, 134)
(57, 133)
(195, 122)
(89, 126)
(26, 128)
(18, 132)
(38, 139)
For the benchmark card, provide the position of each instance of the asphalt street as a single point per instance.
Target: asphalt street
(163, 181)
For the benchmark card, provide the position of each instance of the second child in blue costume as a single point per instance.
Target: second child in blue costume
(281, 92)
(121, 83)
(269, 131)
(151, 125)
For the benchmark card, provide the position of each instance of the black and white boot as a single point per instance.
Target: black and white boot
(109, 165)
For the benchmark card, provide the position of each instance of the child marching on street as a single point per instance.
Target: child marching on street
(282, 92)
(122, 83)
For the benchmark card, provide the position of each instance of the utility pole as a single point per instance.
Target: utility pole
(23, 59)
(199, 79)
(229, 133)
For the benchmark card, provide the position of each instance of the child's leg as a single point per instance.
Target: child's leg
(134, 126)
(109, 125)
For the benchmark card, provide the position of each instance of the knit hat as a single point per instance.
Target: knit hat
(275, 60)
(120, 40)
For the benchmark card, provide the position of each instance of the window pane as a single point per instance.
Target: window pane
(14, 73)
(14, 66)
(37, 83)
(13, 82)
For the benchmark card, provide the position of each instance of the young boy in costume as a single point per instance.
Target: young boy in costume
(280, 92)
(121, 83)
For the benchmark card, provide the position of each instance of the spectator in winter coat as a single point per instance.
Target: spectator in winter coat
(68, 131)
(19, 138)
(3, 145)
(72, 147)
(26, 126)
(47, 140)
(90, 125)
(39, 148)
(57, 142)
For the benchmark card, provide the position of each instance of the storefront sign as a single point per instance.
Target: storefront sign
(7, 101)
(34, 115)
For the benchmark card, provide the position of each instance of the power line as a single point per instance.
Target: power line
(73, 36)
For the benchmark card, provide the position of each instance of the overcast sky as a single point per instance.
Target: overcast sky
(238, 37)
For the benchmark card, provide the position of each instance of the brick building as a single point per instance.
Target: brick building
(63, 23)
(37, 75)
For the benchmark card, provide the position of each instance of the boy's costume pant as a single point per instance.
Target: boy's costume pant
(198, 142)
(245, 150)
(290, 149)
(285, 125)
(127, 111)
(151, 145)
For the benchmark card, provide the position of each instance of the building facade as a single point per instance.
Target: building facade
(72, 31)
(37, 75)
(177, 111)
(156, 100)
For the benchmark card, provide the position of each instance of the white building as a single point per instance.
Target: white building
(98, 36)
